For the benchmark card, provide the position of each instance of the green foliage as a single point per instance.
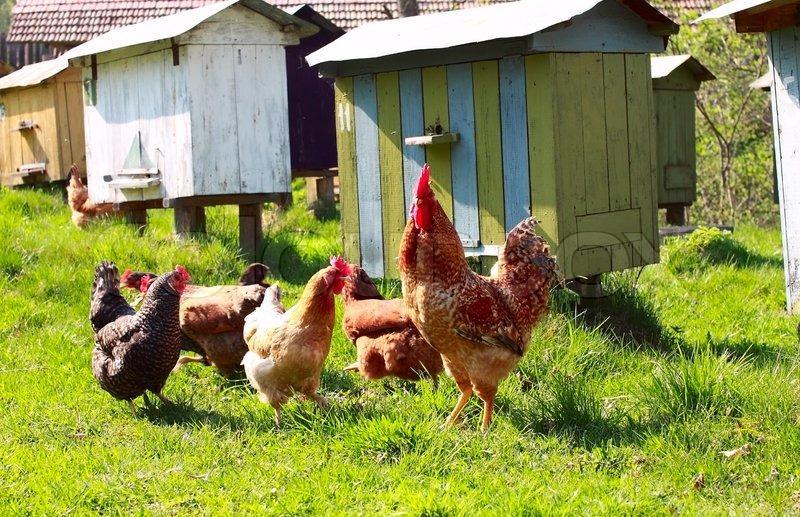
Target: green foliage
(574, 431)
(701, 383)
(5, 14)
(734, 124)
(707, 247)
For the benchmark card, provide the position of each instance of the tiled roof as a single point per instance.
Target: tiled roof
(75, 21)
(674, 8)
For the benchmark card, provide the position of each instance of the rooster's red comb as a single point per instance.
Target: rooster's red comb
(125, 276)
(342, 265)
(424, 183)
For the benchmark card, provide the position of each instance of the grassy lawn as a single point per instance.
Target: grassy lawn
(622, 405)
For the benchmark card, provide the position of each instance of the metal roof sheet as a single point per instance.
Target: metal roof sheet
(179, 23)
(662, 66)
(464, 27)
(34, 74)
(735, 7)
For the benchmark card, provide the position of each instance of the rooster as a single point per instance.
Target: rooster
(288, 349)
(212, 318)
(83, 210)
(480, 325)
(388, 344)
(136, 353)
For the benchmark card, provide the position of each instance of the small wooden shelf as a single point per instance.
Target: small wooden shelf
(30, 169)
(132, 183)
(446, 138)
(25, 125)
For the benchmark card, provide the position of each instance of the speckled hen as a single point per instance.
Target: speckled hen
(136, 353)
(481, 325)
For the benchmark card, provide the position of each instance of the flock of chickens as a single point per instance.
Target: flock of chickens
(476, 328)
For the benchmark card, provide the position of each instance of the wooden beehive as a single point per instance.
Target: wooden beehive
(676, 80)
(190, 106)
(519, 108)
(778, 19)
(41, 123)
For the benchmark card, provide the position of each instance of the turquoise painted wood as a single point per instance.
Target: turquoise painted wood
(462, 154)
(370, 220)
(413, 124)
(513, 116)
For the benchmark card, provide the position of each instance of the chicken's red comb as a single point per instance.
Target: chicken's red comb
(424, 183)
(125, 276)
(184, 274)
(342, 265)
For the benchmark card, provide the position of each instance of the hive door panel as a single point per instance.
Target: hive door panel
(463, 155)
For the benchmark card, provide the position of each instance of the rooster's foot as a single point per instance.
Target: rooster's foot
(164, 400)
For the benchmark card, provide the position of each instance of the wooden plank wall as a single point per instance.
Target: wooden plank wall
(567, 137)
(675, 130)
(785, 56)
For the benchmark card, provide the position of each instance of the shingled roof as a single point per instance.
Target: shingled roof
(71, 22)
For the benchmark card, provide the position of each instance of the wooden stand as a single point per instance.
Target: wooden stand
(676, 215)
(189, 220)
(588, 288)
(137, 218)
(319, 195)
(251, 237)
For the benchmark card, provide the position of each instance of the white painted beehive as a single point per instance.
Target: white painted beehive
(190, 105)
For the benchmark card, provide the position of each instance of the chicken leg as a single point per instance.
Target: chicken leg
(466, 393)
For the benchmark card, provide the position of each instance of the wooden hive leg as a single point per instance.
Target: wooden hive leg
(319, 195)
(137, 218)
(251, 235)
(676, 215)
(189, 220)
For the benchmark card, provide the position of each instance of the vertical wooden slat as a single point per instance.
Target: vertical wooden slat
(539, 77)
(616, 132)
(595, 156)
(348, 182)
(413, 124)
(490, 158)
(650, 210)
(62, 132)
(463, 155)
(516, 180)
(368, 167)
(390, 156)
(569, 144)
(434, 95)
(639, 148)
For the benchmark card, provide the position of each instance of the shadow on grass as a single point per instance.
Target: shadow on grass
(624, 316)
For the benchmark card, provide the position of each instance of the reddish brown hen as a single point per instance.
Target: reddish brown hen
(388, 344)
(480, 325)
(83, 210)
(212, 318)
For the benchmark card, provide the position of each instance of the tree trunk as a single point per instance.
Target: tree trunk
(406, 8)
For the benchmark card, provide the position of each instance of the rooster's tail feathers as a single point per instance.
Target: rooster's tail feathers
(106, 276)
(523, 240)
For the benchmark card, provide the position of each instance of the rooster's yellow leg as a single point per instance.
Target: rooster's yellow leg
(164, 399)
(466, 393)
(488, 409)
(277, 416)
(132, 406)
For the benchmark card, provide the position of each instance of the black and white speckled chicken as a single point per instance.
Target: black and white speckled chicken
(136, 353)
(107, 303)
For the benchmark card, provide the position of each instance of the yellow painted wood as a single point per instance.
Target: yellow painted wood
(348, 182)
(641, 150)
(74, 93)
(488, 141)
(593, 115)
(570, 158)
(539, 86)
(390, 157)
(435, 107)
(62, 125)
(616, 131)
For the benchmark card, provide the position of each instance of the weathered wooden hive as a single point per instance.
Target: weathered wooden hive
(526, 107)
(41, 123)
(676, 80)
(191, 110)
(778, 19)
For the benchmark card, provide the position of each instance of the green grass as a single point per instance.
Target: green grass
(617, 406)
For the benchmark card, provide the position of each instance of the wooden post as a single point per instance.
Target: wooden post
(251, 237)
(189, 220)
(137, 218)
(319, 195)
(676, 215)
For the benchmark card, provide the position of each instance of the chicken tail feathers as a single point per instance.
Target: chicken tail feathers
(106, 278)
(497, 340)
(524, 242)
